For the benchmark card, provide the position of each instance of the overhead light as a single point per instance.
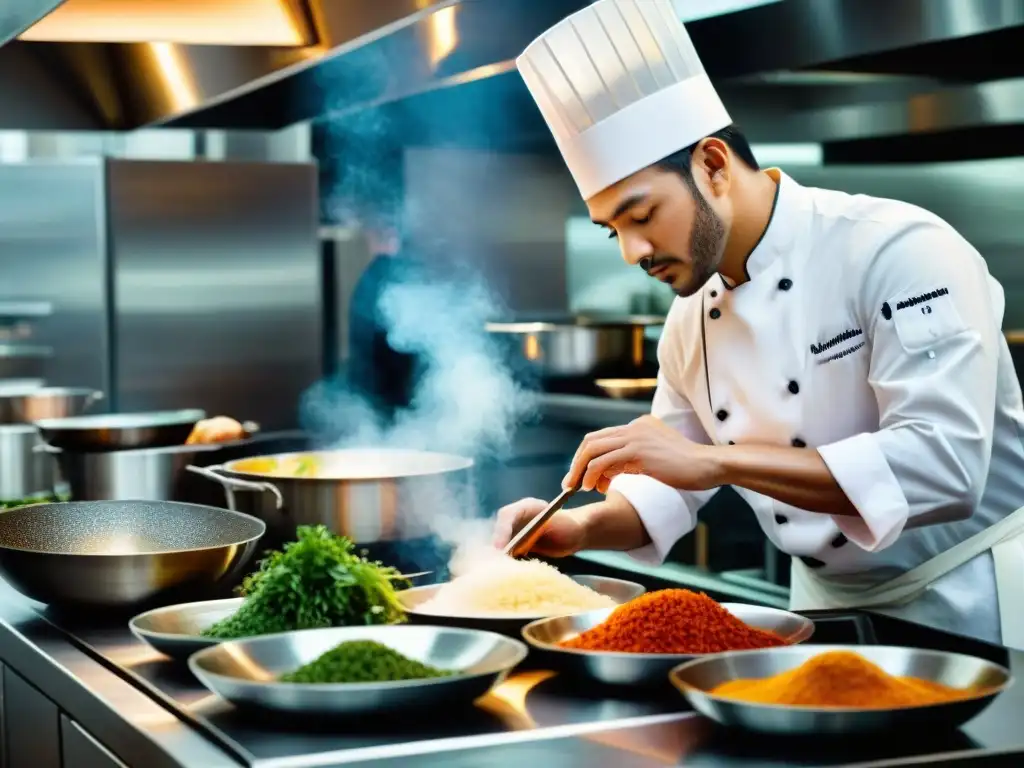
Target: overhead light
(190, 22)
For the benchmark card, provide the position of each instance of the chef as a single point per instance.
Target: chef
(836, 358)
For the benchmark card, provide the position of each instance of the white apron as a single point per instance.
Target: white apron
(1005, 539)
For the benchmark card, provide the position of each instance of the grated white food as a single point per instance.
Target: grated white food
(502, 585)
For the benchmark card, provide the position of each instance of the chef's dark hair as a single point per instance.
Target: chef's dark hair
(680, 162)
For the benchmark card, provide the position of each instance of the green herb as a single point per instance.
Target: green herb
(317, 581)
(362, 661)
(43, 498)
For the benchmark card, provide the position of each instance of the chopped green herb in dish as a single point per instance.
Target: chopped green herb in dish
(317, 581)
(362, 661)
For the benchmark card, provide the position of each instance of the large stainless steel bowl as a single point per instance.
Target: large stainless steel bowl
(23, 405)
(120, 431)
(695, 678)
(246, 672)
(122, 553)
(174, 630)
(644, 668)
(366, 494)
(617, 589)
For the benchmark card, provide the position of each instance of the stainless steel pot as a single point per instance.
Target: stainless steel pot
(24, 406)
(25, 474)
(580, 346)
(149, 474)
(366, 494)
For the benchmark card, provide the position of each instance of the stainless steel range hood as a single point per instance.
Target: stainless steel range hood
(124, 64)
(840, 72)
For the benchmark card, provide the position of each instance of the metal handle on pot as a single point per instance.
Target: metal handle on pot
(232, 484)
(92, 399)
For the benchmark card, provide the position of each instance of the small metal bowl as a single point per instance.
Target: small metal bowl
(628, 389)
(644, 668)
(174, 629)
(507, 624)
(246, 672)
(695, 678)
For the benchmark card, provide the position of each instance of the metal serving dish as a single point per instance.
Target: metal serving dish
(120, 431)
(695, 678)
(369, 495)
(118, 554)
(245, 672)
(174, 629)
(644, 668)
(617, 589)
(23, 405)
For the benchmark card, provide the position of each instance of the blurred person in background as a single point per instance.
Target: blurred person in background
(362, 178)
(385, 377)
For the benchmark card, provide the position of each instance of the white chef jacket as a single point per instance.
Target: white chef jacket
(871, 331)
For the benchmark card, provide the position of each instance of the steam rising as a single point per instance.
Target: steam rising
(467, 402)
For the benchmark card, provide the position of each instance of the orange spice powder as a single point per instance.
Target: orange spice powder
(672, 621)
(841, 679)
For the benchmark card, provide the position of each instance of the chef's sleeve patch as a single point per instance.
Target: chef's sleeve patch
(923, 319)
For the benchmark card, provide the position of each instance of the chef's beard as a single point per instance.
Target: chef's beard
(707, 244)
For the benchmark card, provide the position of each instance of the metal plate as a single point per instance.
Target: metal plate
(245, 672)
(628, 389)
(695, 678)
(644, 668)
(617, 589)
(174, 629)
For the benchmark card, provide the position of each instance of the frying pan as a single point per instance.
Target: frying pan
(122, 553)
(120, 431)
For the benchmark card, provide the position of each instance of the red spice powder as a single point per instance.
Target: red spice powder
(672, 621)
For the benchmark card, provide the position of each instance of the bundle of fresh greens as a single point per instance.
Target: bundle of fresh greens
(362, 661)
(316, 581)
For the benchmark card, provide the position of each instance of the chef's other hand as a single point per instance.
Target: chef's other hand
(219, 429)
(646, 446)
(562, 535)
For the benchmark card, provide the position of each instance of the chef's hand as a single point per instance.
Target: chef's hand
(563, 535)
(219, 429)
(646, 446)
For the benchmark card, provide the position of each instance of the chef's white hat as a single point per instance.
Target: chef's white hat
(621, 87)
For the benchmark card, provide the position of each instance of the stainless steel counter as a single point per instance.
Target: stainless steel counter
(147, 711)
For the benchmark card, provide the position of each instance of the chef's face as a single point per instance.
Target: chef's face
(666, 226)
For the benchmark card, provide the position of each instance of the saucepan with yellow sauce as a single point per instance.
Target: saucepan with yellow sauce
(371, 494)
